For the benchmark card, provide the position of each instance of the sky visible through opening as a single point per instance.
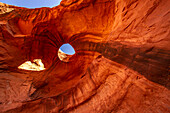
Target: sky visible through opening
(32, 3)
(67, 49)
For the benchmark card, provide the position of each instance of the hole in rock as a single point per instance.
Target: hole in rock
(36, 65)
(65, 52)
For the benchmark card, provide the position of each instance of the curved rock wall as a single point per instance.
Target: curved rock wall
(121, 63)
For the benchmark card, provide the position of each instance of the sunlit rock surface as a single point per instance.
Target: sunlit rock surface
(5, 8)
(63, 56)
(121, 64)
(36, 65)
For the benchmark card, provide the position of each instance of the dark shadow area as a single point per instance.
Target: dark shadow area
(151, 62)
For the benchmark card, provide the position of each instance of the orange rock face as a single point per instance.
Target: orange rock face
(121, 64)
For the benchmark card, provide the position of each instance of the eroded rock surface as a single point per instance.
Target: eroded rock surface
(121, 64)
(5, 8)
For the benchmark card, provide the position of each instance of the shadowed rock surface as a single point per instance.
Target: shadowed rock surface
(121, 64)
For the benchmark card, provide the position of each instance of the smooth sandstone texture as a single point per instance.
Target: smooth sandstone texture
(121, 65)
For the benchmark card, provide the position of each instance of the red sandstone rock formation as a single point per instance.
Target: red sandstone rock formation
(121, 63)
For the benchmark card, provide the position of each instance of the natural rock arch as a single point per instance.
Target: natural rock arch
(121, 62)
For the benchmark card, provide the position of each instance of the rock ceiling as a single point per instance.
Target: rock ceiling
(121, 65)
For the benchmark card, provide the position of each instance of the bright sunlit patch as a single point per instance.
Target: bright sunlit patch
(36, 65)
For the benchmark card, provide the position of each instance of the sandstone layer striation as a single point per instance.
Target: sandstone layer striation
(121, 64)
